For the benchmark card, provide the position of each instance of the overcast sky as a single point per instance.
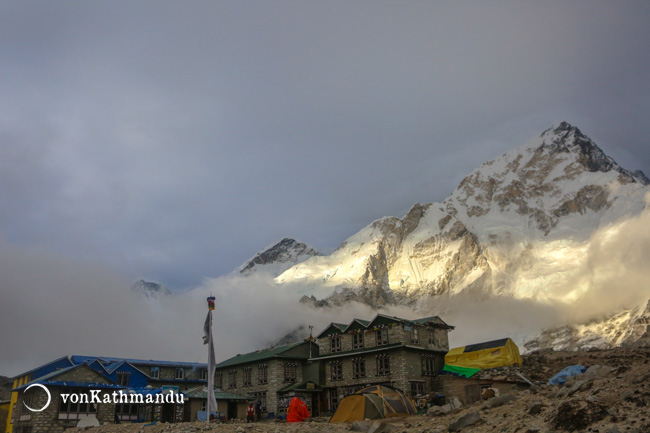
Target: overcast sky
(171, 141)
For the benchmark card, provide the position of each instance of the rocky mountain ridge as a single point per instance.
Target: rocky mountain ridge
(525, 225)
(511, 217)
(150, 289)
(277, 258)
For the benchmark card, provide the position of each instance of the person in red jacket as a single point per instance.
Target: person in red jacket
(250, 413)
(297, 410)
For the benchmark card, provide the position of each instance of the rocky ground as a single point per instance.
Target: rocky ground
(611, 397)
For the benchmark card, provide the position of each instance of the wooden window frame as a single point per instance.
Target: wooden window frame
(383, 365)
(335, 343)
(381, 336)
(336, 371)
(358, 368)
(263, 374)
(357, 340)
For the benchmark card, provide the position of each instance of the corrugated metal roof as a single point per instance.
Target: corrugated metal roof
(360, 323)
(273, 352)
(72, 384)
(340, 327)
(79, 359)
(486, 345)
(56, 373)
(43, 366)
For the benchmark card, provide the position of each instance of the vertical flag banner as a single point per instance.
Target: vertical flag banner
(212, 364)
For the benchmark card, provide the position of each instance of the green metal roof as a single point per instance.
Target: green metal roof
(301, 387)
(357, 324)
(273, 352)
(379, 319)
(333, 328)
(202, 392)
(435, 319)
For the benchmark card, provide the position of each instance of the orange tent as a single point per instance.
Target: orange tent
(373, 402)
(297, 410)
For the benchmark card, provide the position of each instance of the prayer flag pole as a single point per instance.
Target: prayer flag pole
(212, 365)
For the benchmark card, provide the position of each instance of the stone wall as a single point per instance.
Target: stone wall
(48, 420)
(275, 380)
(405, 367)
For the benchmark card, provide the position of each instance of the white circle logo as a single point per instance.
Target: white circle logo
(49, 397)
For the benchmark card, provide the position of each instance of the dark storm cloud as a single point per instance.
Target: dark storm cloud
(173, 141)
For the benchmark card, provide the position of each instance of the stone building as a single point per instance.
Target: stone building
(86, 374)
(404, 354)
(60, 415)
(266, 375)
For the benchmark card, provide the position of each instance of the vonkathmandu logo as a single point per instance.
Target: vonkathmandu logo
(47, 391)
(116, 397)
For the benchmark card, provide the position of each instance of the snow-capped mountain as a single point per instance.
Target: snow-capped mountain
(277, 258)
(627, 327)
(547, 224)
(518, 226)
(149, 289)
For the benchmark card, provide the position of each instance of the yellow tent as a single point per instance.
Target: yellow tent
(491, 354)
(374, 402)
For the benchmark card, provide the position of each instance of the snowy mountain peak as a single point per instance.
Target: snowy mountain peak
(512, 227)
(150, 290)
(568, 138)
(278, 257)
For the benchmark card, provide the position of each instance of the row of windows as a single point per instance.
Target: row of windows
(383, 367)
(381, 339)
(290, 371)
(70, 410)
(359, 368)
(179, 373)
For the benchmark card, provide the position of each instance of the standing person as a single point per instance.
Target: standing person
(250, 413)
(258, 410)
(297, 411)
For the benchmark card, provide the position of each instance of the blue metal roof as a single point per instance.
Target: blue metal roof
(78, 359)
(71, 384)
(46, 367)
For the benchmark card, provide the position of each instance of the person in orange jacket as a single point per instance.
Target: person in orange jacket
(297, 410)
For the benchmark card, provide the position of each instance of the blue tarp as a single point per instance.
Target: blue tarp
(560, 378)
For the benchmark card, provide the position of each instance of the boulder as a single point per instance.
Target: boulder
(361, 426)
(453, 405)
(597, 371)
(380, 427)
(535, 408)
(578, 415)
(583, 384)
(465, 421)
(499, 401)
